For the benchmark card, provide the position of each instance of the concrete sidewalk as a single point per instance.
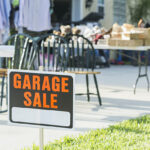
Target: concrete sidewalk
(119, 103)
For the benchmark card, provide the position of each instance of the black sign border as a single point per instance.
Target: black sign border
(71, 126)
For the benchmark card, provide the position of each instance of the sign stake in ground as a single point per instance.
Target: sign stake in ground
(41, 138)
(41, 99)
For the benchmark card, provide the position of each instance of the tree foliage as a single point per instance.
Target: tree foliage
(139, 9)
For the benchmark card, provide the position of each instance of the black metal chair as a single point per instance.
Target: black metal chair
(52, 53)
(24, 55)
(68, 55)
(25, 51)
(82, 61)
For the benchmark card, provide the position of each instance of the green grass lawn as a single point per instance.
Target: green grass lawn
(128, 135)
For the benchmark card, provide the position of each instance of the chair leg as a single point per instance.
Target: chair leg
(6, 92)
(98, 94)
(87, 85)
(2, 91)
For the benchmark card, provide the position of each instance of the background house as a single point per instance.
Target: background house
(114, 11)
(68, 11)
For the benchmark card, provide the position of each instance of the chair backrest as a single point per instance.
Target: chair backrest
(24, 54)
(81, 53)
(52, 53)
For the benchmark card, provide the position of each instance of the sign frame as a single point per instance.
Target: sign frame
(43, 73)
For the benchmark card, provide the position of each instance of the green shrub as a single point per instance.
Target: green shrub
(132, 134)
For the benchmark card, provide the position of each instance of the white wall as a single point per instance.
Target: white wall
(107, 22)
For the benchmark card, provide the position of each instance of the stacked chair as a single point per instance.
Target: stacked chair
(83, 61)
(72, 54)
(52, 53)
(24, 56)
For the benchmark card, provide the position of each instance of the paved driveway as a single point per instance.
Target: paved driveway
(119, 103)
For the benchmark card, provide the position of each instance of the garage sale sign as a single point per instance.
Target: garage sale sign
(41, 98)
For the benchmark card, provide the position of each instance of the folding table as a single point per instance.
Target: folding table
(138, 49)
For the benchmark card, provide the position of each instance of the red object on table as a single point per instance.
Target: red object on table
(98, 36)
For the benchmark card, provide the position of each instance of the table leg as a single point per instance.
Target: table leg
(146, 69)
(140, 75)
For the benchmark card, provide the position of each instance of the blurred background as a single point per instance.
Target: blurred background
(89, 17)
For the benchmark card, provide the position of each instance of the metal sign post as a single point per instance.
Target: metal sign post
(41, 138)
